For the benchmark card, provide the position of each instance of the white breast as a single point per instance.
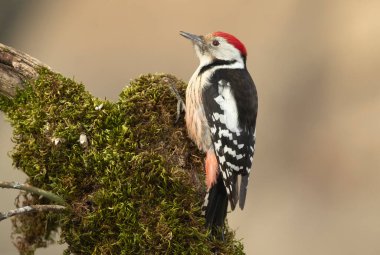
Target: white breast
(196, 121)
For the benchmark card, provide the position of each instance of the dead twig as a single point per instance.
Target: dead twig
(34, 190)
(30, 209)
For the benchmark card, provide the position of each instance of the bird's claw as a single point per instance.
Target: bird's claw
(180, 103)
(180, 109)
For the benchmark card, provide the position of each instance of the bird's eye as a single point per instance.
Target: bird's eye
(215, 42)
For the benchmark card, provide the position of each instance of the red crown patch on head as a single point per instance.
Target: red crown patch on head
(232, 40)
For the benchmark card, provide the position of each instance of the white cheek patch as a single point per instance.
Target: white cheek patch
(204, 58)
(226, 51)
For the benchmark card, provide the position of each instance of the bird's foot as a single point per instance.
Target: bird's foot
(180, 103)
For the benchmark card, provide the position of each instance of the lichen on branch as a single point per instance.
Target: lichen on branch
(129, 174)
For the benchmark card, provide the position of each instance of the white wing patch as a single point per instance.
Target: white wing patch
(222, 159)
(232, 152)
(227, 104)
(232, 166)
(217, 145)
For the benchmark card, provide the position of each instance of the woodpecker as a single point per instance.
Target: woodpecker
(221, 109)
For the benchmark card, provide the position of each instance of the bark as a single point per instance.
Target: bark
(15, 68)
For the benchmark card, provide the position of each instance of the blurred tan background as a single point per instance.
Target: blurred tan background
(316, 184)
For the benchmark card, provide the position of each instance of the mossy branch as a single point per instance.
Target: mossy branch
(26, 187)
(127, 170)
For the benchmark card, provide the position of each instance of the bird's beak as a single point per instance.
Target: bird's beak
(195, 38)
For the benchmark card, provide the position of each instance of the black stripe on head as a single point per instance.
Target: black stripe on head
(217, 62)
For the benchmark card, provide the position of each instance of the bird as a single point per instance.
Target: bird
(220, 113)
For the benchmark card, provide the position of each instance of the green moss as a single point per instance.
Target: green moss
(136, 187)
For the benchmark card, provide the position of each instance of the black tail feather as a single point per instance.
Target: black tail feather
(243, 190)
(235, 191)
(216, 206)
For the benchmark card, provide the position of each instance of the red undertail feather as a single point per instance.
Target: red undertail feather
(211, 169)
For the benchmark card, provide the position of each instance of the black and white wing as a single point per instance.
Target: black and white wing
(230, 105)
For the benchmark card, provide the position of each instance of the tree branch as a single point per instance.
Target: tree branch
(133, 187)
(31, 189)
(31, 208)
(15, 68)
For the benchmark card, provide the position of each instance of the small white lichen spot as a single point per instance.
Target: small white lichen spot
(83, 140)
(56, 140)
(99, 107)
(47, 126)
